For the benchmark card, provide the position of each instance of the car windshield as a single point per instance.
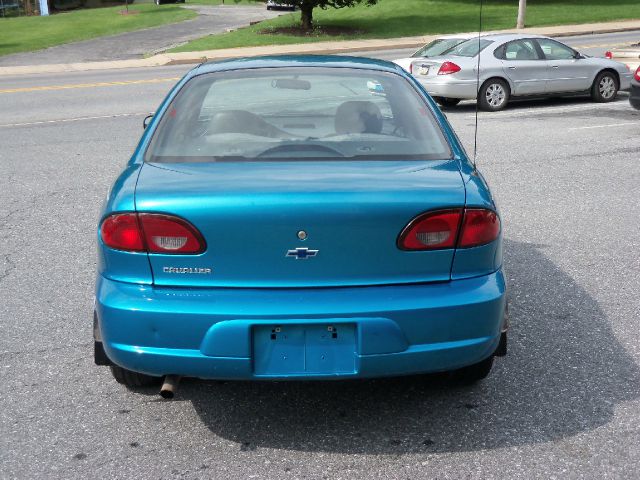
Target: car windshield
(468, 48)
(302, 113)
(438, 47)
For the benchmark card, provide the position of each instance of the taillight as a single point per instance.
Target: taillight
(431, 231)
(411, 68)
(608, 54)
(122, 232)
(637, 75)
(479, 227)
(447, 68)
(151, 232)
(455, 228)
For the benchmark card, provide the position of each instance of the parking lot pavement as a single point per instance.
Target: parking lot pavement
(563, 404)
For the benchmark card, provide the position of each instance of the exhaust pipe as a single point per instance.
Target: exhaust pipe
(169, 386)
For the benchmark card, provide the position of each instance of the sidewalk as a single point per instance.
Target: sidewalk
(347, 46)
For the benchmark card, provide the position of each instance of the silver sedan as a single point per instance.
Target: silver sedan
(513, 65)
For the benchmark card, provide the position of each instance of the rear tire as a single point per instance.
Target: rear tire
(474, 373)
(605, 87)
(494, 95)
(133, 379)
(447, 102)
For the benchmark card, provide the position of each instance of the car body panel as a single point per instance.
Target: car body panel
(114, 264)
(209, 329)
(526, 77)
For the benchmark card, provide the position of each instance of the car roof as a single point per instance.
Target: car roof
(283, 61)
(509, 36)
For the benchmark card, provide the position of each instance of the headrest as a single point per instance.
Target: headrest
(358, 117)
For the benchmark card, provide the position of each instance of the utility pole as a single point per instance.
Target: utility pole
(522, 11)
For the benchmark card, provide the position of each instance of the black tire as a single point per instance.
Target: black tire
(447, 102)
(474, 373)
(133, 379)
(494, 95)
(605, 87)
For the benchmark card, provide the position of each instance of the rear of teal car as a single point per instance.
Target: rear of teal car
(281, 220)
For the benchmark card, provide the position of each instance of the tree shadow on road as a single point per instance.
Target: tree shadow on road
(564, 375)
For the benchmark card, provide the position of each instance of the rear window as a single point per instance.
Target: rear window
(438, 47)
(468, 48)
(305, 113)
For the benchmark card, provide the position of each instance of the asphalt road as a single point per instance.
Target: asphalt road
(565, 402)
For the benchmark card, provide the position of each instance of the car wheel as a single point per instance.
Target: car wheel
(133, 379)
(493, 95)
(447, 102)
(604, 88)
(474, 373)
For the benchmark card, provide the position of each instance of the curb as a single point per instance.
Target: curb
(347, 46)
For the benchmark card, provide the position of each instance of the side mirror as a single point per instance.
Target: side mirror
(147, 120)
(578, 56)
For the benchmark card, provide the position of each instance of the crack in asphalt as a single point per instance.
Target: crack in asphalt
(9, 267)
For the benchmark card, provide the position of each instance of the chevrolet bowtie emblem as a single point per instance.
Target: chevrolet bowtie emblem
(301, 253)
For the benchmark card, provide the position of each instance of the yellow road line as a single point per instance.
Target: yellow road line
(87, 85)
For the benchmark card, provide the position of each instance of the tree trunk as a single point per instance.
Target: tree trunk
(522, 11)
(306, 16)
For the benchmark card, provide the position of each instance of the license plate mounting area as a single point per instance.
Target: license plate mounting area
(298, 350)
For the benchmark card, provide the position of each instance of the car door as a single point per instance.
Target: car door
(568, 72)
(524, 65)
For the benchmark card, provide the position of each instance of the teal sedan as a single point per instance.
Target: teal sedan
(299, 218)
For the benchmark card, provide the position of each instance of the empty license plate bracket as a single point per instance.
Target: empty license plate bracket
(313, 349)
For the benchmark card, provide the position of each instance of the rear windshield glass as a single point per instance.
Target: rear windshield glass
(468, 48)
(438, 47)
(306, 113)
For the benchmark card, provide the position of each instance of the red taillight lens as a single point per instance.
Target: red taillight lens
(637, 74)
(411, 68)
(439, 229)
(479, 227)
(447, 68)
(122, 232)
(431, 231)
(608, 54)
(151, 232)
(167, 234)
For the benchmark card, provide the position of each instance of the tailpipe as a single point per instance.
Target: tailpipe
(169, 386)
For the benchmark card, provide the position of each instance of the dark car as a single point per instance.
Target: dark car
(634, 92)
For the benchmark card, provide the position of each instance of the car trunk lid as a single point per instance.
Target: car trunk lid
(251, 216)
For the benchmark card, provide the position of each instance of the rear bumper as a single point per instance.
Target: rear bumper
(444, 86)
(219, 333)
(634, 95)
(625, 81)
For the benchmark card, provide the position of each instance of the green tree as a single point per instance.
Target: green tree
(306, 7)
